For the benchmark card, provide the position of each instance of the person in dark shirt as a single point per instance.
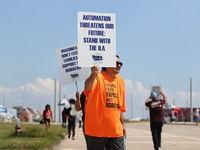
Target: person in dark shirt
(156, 117)
(71, 119)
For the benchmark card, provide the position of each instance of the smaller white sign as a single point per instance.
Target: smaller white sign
(67, 58)
(157, 89)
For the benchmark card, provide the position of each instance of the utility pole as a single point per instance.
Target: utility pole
(55, 102)
(191, 110)
(14, 102)
(59, 99)
(131, 106)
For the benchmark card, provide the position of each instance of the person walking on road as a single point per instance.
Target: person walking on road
(156, 117)
(71, 120)
(104, 125)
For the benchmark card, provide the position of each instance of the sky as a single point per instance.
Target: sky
(157, 41)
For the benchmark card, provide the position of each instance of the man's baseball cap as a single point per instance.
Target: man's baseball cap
(153, 95)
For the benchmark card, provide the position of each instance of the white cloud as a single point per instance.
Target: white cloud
(140, 88)
(128, 83)
(182, 95)
(41, 87)
(196, 94)
(137, 89)
(38, 88)
(31, 93)
(41, 92)
(129, 86)
(15, 92)
(4, 90)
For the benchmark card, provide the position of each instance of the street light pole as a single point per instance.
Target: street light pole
(59, 99)
(55, 101)
(131, 106)
(191, 109)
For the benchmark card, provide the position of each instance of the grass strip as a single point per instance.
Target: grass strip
(33, 137)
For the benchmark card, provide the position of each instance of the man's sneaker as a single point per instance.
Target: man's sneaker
(73, 138)
(68, 136)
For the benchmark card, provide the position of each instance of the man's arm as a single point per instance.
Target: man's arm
(69, 117)
(89, 82)
(164, 97)
(147, 100)
(78, 103)
(122, 122)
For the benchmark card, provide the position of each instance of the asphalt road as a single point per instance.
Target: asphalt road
(174, 137)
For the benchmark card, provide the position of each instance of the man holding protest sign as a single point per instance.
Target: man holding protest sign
(104, 125)
(156, 117)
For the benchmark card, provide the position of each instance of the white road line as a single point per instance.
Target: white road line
(164, 134)
(183, 137)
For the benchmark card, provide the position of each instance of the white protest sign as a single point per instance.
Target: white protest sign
(67, 58)
(96, 39)
(157, 89)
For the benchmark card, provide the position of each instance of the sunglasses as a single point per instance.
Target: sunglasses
(119, 63)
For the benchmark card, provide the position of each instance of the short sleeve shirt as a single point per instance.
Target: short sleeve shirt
(47, 114)
(106, 101)
(156, 110)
